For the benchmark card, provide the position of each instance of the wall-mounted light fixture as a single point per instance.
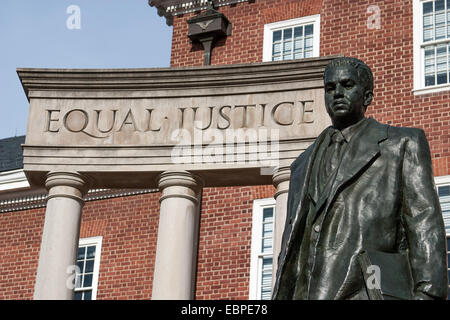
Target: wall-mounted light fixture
(207, 27)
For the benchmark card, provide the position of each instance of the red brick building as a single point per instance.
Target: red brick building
(406, 44)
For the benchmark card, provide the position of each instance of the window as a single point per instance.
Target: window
(292, 39)
(443, 188)
(431, 45)
(262, 249)
(448, 267)
(88, 262)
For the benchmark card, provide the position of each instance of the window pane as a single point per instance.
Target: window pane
(429, 80)
(427, 21)
(89, 266)
(439, 5)
(266, 278)
(267, 229)
(78, 280)
(427, 7)
(277, 58)
(298, 54)
(428, 34)
(287, 34)
(80, 265)
(78, 295)
(441, 78)
(87, 295)
(90, 252)
(308, 43)
(277, 35)
(440, 32)
(267, 245)
(308, 54)
(443, 192)
(309, 30)
(298, 32)
(287, 46)
(276, 48)
(298, 44)
(430, 66)
(87, 280)
(81, 252)
(267, 215)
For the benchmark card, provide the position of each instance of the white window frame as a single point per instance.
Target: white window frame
(419, 53)
(255, 261)
(271, 27)
(444, 181)
(97, 241)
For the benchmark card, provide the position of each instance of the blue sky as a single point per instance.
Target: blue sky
(112, 34)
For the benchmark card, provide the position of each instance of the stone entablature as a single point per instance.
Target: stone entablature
(123, 127)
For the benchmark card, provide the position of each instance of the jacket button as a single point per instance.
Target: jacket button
(316, 228)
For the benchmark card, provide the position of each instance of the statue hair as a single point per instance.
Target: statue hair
(364, 72)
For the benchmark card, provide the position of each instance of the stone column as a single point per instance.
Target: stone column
(280, 180)
(60, 236)
(176, 250)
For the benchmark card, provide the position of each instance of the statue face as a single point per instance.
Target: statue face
(346, 99)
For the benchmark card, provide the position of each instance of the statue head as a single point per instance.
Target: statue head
(348, 90)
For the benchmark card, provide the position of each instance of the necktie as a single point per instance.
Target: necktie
(334, 154)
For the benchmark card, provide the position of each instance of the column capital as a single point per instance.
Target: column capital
(179, 184)
(67, 184)
(280, 179)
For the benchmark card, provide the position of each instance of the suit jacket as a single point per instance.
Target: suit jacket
(383, 199)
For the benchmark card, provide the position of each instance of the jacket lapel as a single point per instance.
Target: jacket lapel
(362, 149)
(303, 193)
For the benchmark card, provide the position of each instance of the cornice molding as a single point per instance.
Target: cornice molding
(171, 8)
(140, 83)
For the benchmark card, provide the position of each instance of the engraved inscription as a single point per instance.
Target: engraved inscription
(102, 122)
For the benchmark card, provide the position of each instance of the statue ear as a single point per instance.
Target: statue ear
(368, 96)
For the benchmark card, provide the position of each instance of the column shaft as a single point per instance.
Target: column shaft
(60, 237)
(176, 249)
(281, 182)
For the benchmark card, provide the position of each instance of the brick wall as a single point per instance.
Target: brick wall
(223, 270)
(245, 43)
(388, 51)
(20, 241)
(129, 227)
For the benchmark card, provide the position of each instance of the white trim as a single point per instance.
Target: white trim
(255, 267)
(442, 180)
(419, 87)
(445, 204)
(434, 89)
(36, 198)
(271, 27)
(97, 241)
(12, 180)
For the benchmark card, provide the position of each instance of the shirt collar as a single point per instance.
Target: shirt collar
(350, 131)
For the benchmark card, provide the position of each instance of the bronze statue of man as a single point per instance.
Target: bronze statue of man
(362, 196)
